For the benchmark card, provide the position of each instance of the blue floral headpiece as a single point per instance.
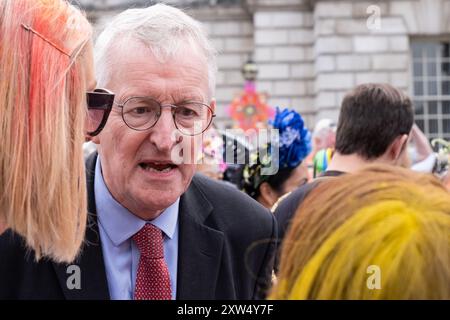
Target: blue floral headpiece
(294, 146)
(295, 139)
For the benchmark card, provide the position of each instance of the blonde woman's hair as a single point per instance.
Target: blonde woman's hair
(42, 117)
(384, 224)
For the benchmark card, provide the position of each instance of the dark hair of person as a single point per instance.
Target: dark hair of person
(276, 182)
(372, 116)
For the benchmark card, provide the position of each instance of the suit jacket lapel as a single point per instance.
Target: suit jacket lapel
(200, 248)
(91, 265)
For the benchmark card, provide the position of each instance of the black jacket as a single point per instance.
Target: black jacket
(226, 250)
(287, 208)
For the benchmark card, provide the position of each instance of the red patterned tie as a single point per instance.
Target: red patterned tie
(153, 278)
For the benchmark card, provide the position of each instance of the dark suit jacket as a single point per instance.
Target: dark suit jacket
(226, 251)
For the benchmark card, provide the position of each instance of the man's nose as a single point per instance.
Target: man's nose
(164, 133)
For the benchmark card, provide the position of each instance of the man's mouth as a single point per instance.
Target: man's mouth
(158, 167)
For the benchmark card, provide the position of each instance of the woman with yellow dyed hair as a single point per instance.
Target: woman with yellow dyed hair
(46, 70)
(381, 233)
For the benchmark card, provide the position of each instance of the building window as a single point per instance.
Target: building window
(431, 87)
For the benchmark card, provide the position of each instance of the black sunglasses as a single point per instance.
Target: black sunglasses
(100, 102)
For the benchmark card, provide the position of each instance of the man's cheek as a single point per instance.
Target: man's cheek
(196, 150)
(186, 152)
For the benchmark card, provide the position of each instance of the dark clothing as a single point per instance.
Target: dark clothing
(226, 250)
(287, 207)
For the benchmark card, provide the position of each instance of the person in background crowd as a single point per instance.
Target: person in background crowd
(420, 153)
(324, 139)
(324, 134)
(46, 68)
(380, 233)
(294, 146)
(157, 230)
(373, 127)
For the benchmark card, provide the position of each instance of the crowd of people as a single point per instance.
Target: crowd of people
(140, 220)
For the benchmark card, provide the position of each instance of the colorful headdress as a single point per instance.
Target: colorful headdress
(294, 145)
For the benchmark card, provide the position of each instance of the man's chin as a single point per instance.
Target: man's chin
(154, 203)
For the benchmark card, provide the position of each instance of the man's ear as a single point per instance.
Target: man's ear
(397, 147)
(212, 105)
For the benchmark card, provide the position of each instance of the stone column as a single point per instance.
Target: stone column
(284, 37)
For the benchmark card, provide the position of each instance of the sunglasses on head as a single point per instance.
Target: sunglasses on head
(99, 102)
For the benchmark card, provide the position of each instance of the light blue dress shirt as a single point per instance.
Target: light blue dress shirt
(121, 256)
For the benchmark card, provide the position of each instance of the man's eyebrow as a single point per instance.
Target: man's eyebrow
(176, 98)
(189, 97)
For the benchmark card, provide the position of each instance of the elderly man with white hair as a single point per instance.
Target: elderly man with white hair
(156, 229)
(324, 134)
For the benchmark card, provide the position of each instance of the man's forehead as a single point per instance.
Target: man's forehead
(128, 47)
(134, 67)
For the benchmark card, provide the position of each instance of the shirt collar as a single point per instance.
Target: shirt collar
(118, 222)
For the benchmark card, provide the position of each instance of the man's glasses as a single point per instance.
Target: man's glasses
(191, 118)
(99, 103)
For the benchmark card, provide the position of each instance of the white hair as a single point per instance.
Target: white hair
(162, 28)
(323, 127)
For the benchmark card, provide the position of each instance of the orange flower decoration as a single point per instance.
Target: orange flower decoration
(250, 110)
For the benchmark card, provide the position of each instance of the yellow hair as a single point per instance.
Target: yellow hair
(399, 223)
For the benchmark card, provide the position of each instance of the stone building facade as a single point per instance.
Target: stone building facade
(311, 52)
